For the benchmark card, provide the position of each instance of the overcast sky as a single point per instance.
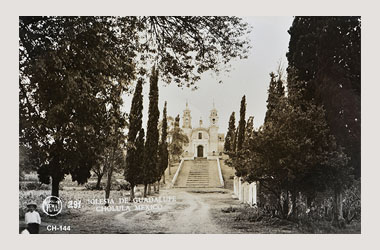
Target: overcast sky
(250, 77)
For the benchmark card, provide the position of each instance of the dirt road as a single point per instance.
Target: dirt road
(191, 213)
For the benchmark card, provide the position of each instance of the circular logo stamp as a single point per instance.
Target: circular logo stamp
(52, 205)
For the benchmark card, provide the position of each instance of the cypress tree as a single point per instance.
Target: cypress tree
(280, 89)
(133, 163)
(327, 66)
(163, 148)
(152, 134)
(234, 143)
(241, 133)
(275, 92)
(140, 159)
(135, 116)
(237, 155)
(271, 101)
(230, 137)
(249, 133)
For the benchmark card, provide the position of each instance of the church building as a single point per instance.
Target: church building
(204, 142)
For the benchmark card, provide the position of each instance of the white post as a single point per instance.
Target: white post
(235, 186)
(240, 189)
(254, 193)
(220, 173)
(250, 195)
(245, 192)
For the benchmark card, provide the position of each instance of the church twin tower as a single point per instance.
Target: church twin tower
(204, 142)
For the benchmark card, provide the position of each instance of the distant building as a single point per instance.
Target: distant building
(204, 142)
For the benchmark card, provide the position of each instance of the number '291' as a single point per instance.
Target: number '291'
(74, 204)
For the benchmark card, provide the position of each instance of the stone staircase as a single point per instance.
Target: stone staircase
(198, 173)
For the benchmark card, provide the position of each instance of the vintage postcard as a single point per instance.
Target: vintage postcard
(189, 125)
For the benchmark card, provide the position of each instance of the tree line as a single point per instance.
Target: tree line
(308, 149)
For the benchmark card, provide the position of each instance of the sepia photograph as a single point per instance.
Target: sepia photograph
(189, 124)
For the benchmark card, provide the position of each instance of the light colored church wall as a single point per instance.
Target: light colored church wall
(220, 147)
(214, 142)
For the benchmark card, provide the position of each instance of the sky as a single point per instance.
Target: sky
(250, 77)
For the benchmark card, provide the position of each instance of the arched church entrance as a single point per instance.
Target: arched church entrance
(200, 151)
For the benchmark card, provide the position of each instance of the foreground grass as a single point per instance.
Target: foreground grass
(245, 219)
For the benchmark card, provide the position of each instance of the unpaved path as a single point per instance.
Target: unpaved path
(189, 214)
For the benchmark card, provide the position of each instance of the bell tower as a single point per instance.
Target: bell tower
(187, 129)
(213, 131)
(186, 118)
(214, 119)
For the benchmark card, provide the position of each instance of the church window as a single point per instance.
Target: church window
(200, 135)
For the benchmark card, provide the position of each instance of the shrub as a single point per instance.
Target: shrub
(124, 186)
(25, 186)
(352, 203)
(230, 209)
(116, 185)
(250, 214)
(92, 186)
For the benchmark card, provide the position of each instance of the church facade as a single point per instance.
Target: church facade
(204, 142)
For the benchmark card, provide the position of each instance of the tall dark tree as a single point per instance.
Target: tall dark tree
(152, 134)
(325, 66)
(325, 56)
(139, 157)
(276, 91)
(249, 133)
(272, 97)
(280, 88)
(133, 166)
(163, 154)
(234, 143)
(230, 137)
(135, 115)
(238, 153)
(241, 158)
(242, 122)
